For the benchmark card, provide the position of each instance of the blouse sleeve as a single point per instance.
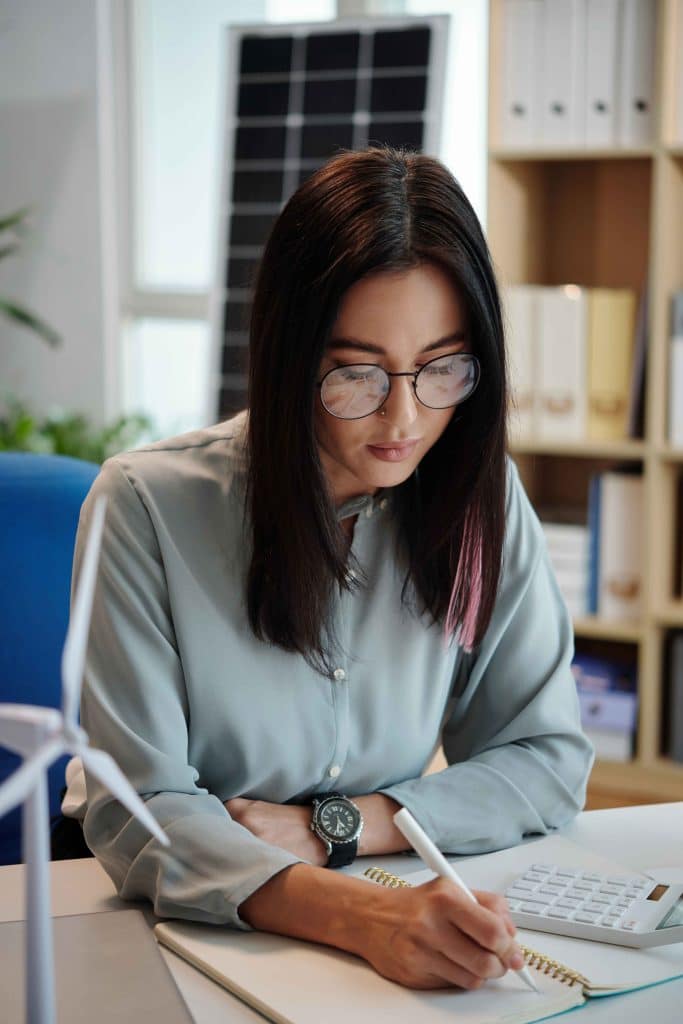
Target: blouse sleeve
(134, 706)
(518, 761)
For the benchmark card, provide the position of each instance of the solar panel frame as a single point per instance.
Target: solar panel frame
(232, 258)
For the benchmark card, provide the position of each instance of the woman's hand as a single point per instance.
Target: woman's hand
(433, 936)
(430, 936)
(285, 825)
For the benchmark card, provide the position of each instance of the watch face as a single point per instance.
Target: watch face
(339, 819)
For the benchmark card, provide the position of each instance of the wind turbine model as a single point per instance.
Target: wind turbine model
(41, 735)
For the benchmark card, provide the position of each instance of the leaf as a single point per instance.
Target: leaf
(7, 250)
(15, 219)
(26, 319)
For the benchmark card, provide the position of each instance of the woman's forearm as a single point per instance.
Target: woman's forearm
(379, 834)
(429, 936)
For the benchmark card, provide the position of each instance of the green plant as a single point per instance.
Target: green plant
(68, 434)
(12, 229)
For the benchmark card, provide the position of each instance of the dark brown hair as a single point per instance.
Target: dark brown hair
(365, 212)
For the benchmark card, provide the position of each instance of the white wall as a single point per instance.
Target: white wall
(50, 158)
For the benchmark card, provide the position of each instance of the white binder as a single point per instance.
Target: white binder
(563, 73)
(520, 99)
(602, 25)
(676, 372)
(562, 363)
(520, 313)
(620, 580)
(637, 80)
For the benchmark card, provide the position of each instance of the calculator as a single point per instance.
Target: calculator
(627, 910)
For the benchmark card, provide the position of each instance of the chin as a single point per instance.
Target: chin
(390, 475)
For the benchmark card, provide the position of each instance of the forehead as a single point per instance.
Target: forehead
(416, 305)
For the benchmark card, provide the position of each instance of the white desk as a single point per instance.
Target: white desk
(638, 837)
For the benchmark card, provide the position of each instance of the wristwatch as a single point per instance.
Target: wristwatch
(338, 823)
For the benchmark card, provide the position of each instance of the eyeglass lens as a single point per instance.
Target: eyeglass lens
(352, 392)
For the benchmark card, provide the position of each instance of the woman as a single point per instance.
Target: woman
(308, 598)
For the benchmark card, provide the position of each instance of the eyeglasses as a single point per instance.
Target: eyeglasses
(352, 392)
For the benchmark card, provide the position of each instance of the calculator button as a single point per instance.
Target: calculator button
(576, 894)
(600, 897)
(625, 904)
(585, 917)
(629, 926)
(531, 908)
(567, 901)
(521, 883)
(640, 883)
(562, 912)
(582, 884)
(610, 920)
(592, 877)
(563, 873)
(611, 890)
(594, 908)
(633, 894)
(550, 890)
(545, 869)
(538, 897)
(534, 876)
(517, 894)
(513, 904)
(618, 880)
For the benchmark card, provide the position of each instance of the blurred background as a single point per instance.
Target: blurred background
(113, 126)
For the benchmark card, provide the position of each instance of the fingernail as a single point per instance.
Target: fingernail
(516, 961)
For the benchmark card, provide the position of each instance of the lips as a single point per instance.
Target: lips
(393, 451)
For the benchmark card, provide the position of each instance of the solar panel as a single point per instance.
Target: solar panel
(295, 95)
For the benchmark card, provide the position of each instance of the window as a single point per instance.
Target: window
(171, 148)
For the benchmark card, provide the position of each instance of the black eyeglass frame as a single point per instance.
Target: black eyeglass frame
(405, 373)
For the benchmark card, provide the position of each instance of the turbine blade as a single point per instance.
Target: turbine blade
(76, 643)
(17, 787)
(110, 775)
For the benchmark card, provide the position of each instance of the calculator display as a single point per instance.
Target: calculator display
(674, 917)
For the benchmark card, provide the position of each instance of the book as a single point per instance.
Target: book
(675, 698)
(562, 351)
(611, 326)
(296, 982)
(615, 515)
(520, 308)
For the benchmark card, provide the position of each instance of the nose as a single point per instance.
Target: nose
(401, 406)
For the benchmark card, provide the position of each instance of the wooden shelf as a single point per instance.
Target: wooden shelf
(607, 218)
(557, 153)
(636, 783)
(634, 451)
(606, 629)
(671, 614)
(670, 454)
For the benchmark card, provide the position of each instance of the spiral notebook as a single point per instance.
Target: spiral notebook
(295, 982)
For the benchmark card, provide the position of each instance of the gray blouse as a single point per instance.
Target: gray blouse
(196, 710)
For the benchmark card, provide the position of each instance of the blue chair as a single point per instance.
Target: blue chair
(40, 499)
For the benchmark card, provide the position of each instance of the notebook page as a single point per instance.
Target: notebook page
(295, 982)
(608, 968)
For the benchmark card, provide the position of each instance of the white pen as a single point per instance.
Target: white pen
(435, 860)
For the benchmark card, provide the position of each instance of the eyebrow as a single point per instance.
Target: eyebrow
(366, 346)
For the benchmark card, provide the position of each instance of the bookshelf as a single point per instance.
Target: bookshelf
(608, 218)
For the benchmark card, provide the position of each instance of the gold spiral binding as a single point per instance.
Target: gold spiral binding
(553, 968)
(540, 962)
(386, 878)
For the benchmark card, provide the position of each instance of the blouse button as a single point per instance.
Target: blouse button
(335, 771)
(368, 511)
(339, 674)
(383, 503)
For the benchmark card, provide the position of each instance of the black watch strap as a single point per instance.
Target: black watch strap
(343, 854)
